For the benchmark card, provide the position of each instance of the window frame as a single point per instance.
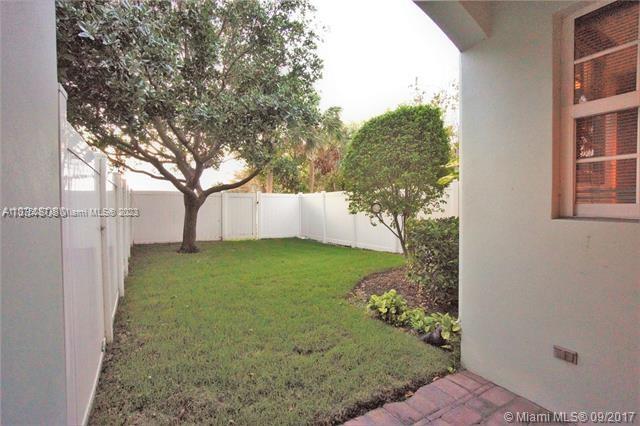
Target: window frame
(569, 112)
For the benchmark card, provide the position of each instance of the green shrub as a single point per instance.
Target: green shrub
(389, 307)
(433, 257)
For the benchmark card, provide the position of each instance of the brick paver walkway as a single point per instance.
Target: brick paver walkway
(463, 398)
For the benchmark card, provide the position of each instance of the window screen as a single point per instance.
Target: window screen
(605, 65)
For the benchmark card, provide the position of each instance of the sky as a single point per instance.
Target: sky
(373, 50)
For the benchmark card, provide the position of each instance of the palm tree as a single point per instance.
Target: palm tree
(319, 147)
(324, 144)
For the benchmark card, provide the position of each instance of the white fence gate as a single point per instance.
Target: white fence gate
(278, 216)
(238, 215)
(95, 250)
(232, 215)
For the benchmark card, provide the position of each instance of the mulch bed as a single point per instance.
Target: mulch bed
(415, 294)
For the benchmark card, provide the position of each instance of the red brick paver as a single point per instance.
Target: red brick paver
(462, 415)
(448, 386)
(427, 400)
(461, 399)
(497, 396)
(404, 412)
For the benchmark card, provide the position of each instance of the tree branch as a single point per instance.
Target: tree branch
(181, 161)
(379, 217)
(228, 186)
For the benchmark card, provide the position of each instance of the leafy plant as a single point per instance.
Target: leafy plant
(448, 324)
(392, 308)
(415, 319)
(433, 260)
(419, 321)
(388, 307)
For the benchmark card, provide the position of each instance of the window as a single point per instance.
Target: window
(600, 97)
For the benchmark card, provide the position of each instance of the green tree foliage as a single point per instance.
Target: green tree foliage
(448, 101)
(287, 175)
(393, 165)
(324, 145)
(315, 150)
(181, 85)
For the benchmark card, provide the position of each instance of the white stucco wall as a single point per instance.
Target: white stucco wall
(527, 281)
(32, 356)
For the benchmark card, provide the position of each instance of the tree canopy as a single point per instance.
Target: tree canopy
(309, 157)
(181, 85)
(393, 165)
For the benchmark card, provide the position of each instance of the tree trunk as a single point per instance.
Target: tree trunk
(191, 207)
(402, 236)
(312, 176)
(403, 246)
(269, 183)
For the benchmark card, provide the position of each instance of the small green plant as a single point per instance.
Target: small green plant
(415, 319)
(422, 323)
(438, 329)
(449, 325)
(389, 307)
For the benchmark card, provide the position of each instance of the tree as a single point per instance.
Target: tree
(322, 144)
(285, 176)
(312, 151)
(393, 165)
(183, 84)
(448, 101)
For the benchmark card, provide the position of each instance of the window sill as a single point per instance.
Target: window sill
(596, 219)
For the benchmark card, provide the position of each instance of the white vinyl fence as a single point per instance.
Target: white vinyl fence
(96, 245)
(322, 216)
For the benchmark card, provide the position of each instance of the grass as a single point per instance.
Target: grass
(254, 333)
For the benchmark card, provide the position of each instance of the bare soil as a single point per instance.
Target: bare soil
(416, 294)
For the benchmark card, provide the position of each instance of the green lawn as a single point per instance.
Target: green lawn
(254, 333)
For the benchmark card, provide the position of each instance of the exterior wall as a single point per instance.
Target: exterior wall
(33, 354)
(528, 281)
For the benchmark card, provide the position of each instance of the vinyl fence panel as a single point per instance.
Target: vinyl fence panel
(313, 216)
(319, 216)
(326, 218)
(340, 224)
(239, 215)
(82, 271)
(278, 215)
(450, 204)
(95, 248)
(110, 290)
(162, 216)
(374, 236)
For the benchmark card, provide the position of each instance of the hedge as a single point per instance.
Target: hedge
(433, 257)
